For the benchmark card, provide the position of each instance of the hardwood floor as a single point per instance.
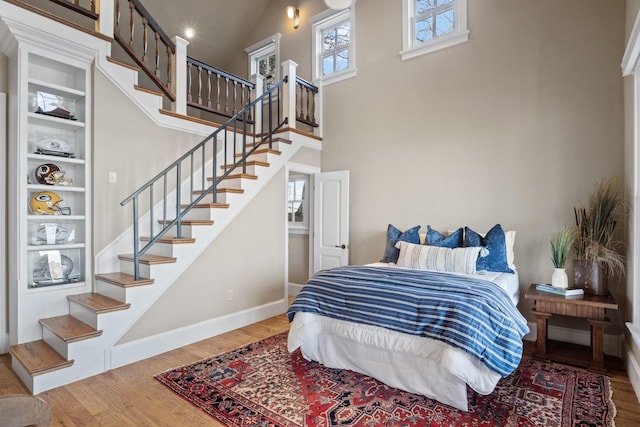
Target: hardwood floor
(130, 396)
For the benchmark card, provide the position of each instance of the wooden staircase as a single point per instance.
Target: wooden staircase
(80, 343)
(60, 334)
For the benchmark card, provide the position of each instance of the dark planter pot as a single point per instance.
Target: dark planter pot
(591, 277)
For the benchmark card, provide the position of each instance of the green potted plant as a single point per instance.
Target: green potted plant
(561, 244)
(596, 252)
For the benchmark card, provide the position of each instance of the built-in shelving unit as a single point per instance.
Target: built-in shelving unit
(50, 186)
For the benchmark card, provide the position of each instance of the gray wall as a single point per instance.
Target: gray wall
(248, 258)
(513, 127)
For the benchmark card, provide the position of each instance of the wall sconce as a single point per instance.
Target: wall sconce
(294, 13)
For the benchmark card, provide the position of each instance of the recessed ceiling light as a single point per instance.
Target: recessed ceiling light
(189, 33)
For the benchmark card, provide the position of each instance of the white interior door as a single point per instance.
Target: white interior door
(331, 220)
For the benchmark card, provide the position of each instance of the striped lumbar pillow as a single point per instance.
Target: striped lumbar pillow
(458, 260)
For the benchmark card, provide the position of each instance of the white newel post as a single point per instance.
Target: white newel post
(289, 92)
(180, 76)
(318, 107)
(106, 22)
(258, 90)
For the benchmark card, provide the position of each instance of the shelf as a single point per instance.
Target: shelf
(55, 159)
(56, 121)
(60, 247)
(61, 286)
(56, 188)
(62, 90)
(56, 217)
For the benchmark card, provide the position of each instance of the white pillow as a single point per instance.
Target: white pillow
(510, 240)
(424, 257)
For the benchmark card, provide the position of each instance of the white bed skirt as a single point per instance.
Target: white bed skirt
(415, 364)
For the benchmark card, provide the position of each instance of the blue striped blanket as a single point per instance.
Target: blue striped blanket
(471, 314)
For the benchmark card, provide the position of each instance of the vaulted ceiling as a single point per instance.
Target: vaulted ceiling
(220, 25)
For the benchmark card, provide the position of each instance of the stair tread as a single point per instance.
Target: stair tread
(237, 176)
(190, 221)
(38, 357)
(122, 63)
(123, 279)
(262, 151)
(230, 190)
(249, 163)
(209, 206)
(98, 303)
(170, 240)
(147, 90)
(149, 259)
(69, 329)
(277, 139)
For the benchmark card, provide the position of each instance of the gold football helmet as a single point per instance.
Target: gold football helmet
(47, 203)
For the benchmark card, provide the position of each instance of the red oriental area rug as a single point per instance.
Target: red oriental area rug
(262, 384)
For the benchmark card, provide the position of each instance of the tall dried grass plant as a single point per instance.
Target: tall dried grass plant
(595, 227)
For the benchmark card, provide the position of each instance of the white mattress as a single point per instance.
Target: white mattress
(415, 364)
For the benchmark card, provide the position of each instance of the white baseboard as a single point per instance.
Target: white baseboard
(294, 289)
(632, 366)
(611, 343)
(144, 348)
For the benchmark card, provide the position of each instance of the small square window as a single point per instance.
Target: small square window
(333, 43)
(431, 25)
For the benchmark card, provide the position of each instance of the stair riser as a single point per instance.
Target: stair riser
(262, 157)
(156, 270)
(120, 293)
(23, 374)
(198, 214)
(277, 145)
(168, 250)
(233, 183)
(251, 170)
(112, 291)
(188, 231)
(54, 341)
(83, 314)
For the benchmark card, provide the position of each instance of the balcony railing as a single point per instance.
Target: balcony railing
(186, 81)
(216, 91)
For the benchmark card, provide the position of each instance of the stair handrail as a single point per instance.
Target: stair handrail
(231, 125)
(89, 12)
(147, 19)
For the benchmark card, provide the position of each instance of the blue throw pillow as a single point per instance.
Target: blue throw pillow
(394, 236)
(452, 241)
(493, 255)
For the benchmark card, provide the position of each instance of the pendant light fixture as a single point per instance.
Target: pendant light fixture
(338, 4)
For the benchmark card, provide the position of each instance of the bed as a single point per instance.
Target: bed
(423, 330)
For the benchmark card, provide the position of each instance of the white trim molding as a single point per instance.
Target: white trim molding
(4, 307)
(631, 67)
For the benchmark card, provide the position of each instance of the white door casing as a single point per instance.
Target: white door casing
(331, 220)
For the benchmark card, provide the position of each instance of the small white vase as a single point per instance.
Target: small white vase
(559, 278)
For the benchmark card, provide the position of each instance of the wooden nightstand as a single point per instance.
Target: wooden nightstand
(590, 307)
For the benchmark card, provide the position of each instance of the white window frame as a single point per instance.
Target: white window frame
(300, 227)
(259, 50)
(323, 21)
(411, 49)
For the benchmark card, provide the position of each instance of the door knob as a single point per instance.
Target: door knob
(341, 246)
